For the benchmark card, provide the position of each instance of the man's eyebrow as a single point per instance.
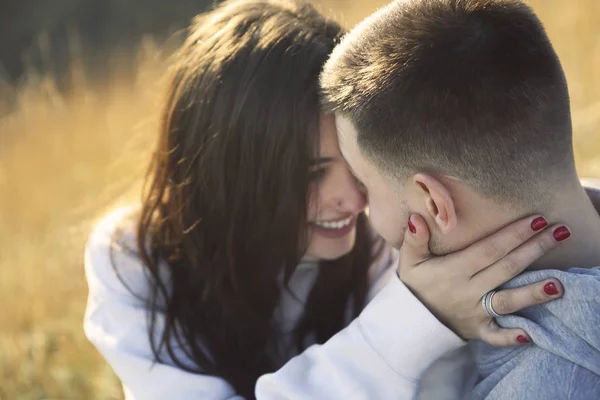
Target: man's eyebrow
(320, 160)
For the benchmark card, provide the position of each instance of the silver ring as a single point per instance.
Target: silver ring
(486, 302)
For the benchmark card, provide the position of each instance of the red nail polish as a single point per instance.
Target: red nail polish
(538, 224)
(562, 233)
(550, 289)
(522, 339)
(412, 228)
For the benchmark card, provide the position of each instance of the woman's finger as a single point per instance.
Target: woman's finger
(415, 248)
(518, 260)
(500, 337)
(487, 251)
(508, 301)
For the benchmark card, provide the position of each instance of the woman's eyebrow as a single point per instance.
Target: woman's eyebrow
(321, 160)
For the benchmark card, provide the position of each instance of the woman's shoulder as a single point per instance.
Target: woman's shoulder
(119, 221)
(112, 264)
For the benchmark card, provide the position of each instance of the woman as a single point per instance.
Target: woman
(251, 242)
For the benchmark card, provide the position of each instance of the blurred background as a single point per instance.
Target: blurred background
(80, 85)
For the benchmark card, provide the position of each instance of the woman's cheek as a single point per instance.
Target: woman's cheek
(313, 205)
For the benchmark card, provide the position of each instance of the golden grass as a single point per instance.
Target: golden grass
(66, 159)
(63, 161)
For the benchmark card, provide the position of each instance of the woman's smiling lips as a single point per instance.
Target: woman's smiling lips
(334, 229)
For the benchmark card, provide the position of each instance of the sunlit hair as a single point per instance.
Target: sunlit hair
(225, 208)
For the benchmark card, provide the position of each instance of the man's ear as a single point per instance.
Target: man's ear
(438, 201)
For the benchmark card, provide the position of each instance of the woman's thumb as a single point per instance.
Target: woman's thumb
(415, 248)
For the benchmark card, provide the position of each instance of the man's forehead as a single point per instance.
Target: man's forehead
(349, 147)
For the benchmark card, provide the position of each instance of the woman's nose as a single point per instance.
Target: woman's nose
(347, 195)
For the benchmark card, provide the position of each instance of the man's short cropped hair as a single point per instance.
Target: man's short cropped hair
(467, 88)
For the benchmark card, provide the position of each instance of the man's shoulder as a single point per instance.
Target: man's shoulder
(566, 341)
(535, 373)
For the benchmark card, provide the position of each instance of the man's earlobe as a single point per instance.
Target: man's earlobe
(438, 201)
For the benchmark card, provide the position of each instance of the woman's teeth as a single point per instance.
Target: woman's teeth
(334, 224)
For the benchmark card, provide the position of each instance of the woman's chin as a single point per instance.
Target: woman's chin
(331, 249)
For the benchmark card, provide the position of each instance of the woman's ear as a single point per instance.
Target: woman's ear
(438, 201)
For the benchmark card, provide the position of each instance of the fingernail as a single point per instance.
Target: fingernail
(561, 233)
(539, 223)
(522, 339)
(550, 289)
(412, 228)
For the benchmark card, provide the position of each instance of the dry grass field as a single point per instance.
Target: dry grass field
(67, 158)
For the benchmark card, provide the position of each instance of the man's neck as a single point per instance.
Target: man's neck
(480, 217)
(574, 209)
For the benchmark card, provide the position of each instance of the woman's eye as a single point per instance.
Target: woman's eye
(317, 174)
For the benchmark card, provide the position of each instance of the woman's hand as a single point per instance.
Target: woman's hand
(452, 286)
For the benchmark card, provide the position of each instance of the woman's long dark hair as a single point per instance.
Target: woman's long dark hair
(225, 205)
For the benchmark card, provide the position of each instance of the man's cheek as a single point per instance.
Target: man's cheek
(379, 223)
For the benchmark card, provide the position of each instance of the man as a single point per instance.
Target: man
(458, 111)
